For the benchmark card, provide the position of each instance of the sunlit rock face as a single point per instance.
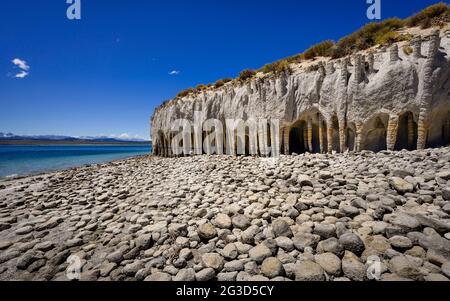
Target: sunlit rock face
(374, 100)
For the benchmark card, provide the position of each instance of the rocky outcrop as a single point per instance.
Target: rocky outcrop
(375, 100)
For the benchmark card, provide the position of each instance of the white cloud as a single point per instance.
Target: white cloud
(174, 72)
(21, 64)
(21, 74)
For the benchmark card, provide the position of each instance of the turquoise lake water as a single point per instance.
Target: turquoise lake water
(19, 160)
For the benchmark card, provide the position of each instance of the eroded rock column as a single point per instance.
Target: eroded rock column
(357, 68)
(393, 53)
(358, 132)
(371, 62)
(427, 90)
(286, 135)
(410, 130)
(416, 45)
(305, 138)
(392, 131)
(169, 145)
(321, 137)
(330, 136)
(342, 135)
(165, 147)
(310, 134)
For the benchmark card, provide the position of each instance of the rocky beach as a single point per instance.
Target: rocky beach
(310, 217)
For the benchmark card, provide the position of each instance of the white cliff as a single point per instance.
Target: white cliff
(374, 100)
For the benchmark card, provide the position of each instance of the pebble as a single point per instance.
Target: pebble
(259, 253)
(272, 267)
(309, 271)
(314, 217)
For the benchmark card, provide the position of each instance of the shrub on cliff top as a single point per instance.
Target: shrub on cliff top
(200, 87)
(277, 67)
(222, 82)
(246, 74)
(321, 49)
(366, 37)
(219, 83)
(435, 15)
(185, 93)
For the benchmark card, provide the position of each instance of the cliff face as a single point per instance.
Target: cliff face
(377, 100)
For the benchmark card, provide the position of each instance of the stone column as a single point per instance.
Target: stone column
(321, 70)
(410, 130)
(164, 145)
(342, 135)
(286, 137)
(416, 45)
(371, 61)
(393, 53)
(427, 88)
(321, 133)
(422, 129)
(310, 133)
(169, 146)
(329, 68)
(392, 131)
(357, 68)
(305, 138)
(330, 136)
(359, 126)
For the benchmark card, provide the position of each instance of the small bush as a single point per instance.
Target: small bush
(366, 37)
(200, 87)
(277, 67)
(321, 49)
(387, 38)
(246, 74)
(407, 50)
(219, 83)
(432, 15)
(222, 82)
(185, 93)
(295, 58)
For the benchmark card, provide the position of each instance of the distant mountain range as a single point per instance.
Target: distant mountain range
(67, 139)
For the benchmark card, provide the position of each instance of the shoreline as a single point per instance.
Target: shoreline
(223, 218)
(53, 171)
(70, 143)
(84, 160)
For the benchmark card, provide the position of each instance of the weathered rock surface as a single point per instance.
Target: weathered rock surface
(350, 224)
(368, 102)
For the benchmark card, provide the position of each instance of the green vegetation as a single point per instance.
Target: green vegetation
(185, 93)
(407, 50)
(277, 67)
(321, 49)
(382, 33)
(222, 82)
(219, 83)
(246, 74)
(201, 87)
(435, 15)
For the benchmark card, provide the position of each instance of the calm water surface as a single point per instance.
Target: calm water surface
(18, 160)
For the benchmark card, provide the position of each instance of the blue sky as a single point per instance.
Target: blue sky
(105, 74)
